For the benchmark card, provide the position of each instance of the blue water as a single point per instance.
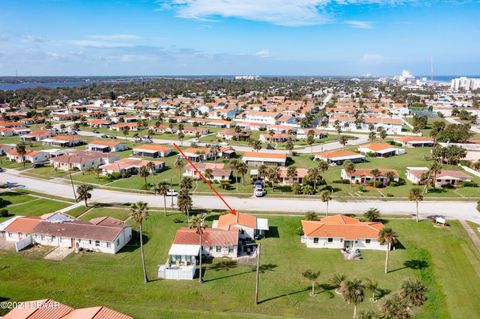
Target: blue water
(50, 85)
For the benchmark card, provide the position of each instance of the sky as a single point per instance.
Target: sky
(231, 37)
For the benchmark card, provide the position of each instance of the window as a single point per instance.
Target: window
(90, 242)
(108, 244)
(315, 240)
(118, 242)
(230, 249)
(330, 240)
(367, 241)
(97, 243)
(218, 249)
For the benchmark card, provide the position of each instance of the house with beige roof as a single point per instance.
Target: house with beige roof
(339, 157)
(152, 150)
(445, 177)
(107, 146)
(31, 156)
(264, 158)
(83, 160)
(339, 232)
(414, 141)
(218, 170)
(129, 166)
(62, 141)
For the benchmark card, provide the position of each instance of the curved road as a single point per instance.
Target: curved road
(451, 209)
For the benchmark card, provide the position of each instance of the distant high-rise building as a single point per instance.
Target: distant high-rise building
(468, 84)
(405, 77)
(246, 77)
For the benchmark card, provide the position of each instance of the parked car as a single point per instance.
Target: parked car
(259, 192)
(36, 165)
(172, 192)
(113, 137)
(104, 136)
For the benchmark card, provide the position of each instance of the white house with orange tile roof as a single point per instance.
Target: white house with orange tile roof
(380, 150)
(152, 150)
(107, 146)
(6, 131)
(262, 117)
(250, 226)
(339, 157)
(36, 135)
(364, 176)
(83, 160)
(31, 156)
(132, 126)
(284, 179)
(197, 154)
(219, 171)
(341, 232)
(128, 166)
(62, 141)
(414, 141)
(264, 158)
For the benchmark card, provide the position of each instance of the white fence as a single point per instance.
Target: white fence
(27, 241)
(176, 273)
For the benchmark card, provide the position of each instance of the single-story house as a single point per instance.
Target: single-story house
(36, 136)
(317, 133)
(98, 123)
(31, 156)
(4, 148)
(380, 150)
(264, 158)
(445, 177)
(128, 166)
(340, 232)
(250, 226)
(363, 176)
(339, 157)
(276, 137)
(102, 234)
(6, 132)
(197, 154)
(414, 141)
(132, 126)
(62, 141)
(152, 150)
(83, 160)
(192, 130)
(230, 134)
(185, 250)
(284, 179)
(107, 146)
(219, 171)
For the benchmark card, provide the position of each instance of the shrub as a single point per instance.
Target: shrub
(389, 195)
(469, 184)
(4, 212)
(3, 202)
(177, 220)
(341, 181)
(299, 231)
(114, 176)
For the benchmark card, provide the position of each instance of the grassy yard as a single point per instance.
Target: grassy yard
(121, 214)
(443, 258)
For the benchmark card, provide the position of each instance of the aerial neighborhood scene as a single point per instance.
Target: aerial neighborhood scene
(239, 159)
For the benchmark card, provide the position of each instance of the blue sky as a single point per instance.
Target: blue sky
(221, 37)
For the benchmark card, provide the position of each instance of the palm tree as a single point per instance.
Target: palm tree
(375, 173)
(417, 196)
(144, 172)
(179, 164)
(186, 183)
(139, 213)
(372, 214)
(243, 170)
(162, 189)
(389, 237)
(292, 173)
(83, 193)
(349, 168)
(21, 151)
(184, 202)
(336, 281)
(311, 216)
(209, 174)
(290, 146)
(315, 176)
(326, 196)
(272, 175)
(197, 222)
(413, 291)
(371, 285)
(394, 307)
(353, 291)
(433, 171)
(262, 171)
(233, 164)
(312, 276)
(343, 139)
(322, 166)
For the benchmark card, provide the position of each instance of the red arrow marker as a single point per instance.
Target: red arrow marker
(232, 211)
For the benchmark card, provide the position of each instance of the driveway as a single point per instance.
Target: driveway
(464, 210)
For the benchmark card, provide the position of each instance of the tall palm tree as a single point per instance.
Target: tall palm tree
(139, 213)
(349, 168)
(389, 237)
(375, 173)
(179, 164)
(184, 202)
(186, 183)
(414, 292)
(312, 276)
(292, 173)
(243, 170)
(417, 196)
(434, 170)
(21, 151)
(162, 189)
(197, 222)
(272, 175)
(315, 176)
(144, 172)
(209, 174)
(353, 291)
(83, 193)
(323, 166)
(326, 196)
(233, 164)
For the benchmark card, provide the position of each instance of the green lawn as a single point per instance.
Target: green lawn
(448, 264)
(77, 211)
(121, 214)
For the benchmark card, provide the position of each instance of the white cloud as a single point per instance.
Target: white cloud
(357, 24)
(33, 39)
(263, 53)
(279, 12)
(372, 58)
(106, 41)
(115, 36)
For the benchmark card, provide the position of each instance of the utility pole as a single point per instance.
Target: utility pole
(257, 276)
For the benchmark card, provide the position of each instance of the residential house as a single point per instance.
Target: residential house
(341, 232)
(132, 126)
(276, 137)
(31, 156)
(36, 136)
(152, 150)
(445, 177)
(107, 146)
(284, 179)
(198, 154)
(129, 166)
(250, 226)
(380, 150)
(219, 171)
(62, 141)
(414, 141)
(4, 148)
(6, 132)
(264, 158)
(83, 160)
(339, 157)
(364, 176)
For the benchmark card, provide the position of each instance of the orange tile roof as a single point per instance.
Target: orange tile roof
(23, 225)
(39, 309)
(228, 220)
(210, 237)
(334, 154)
(377, 147)
(105, 143)
(153, 147)
(412, 139)
(265, 155)
(367, 172)
(340, 226)
(96, 313)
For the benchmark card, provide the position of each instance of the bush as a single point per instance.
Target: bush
(448, 186)
(3, 202)
(389, 195)
(469, 184)
(379, 184)
(341, 181)
(299, 231)
(114, 176)
(177, 220)
(4, 213)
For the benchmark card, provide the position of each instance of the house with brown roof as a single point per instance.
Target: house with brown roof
(380, 150)
(364, 176)
(249, 226)
(339, 157)
(284, 179)
(445, 177)
(152, 150)
(185, 250)
(51, 309)
(107, 146)
(264, 158)
(341, 232)
(132, 126)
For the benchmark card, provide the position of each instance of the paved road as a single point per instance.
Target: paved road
(450, 209)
